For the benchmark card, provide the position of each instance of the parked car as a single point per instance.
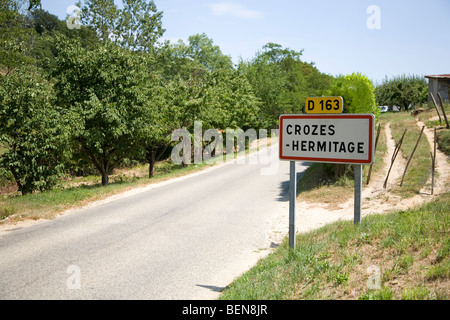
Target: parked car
(383, 108)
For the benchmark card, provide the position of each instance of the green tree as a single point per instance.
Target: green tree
(139, 25)
(267, 81)
(136, 27)
(47, 27)
(193, 59)
(402, 91)
(282, 81)
(155, 135)
(102, 16)
(359, 97)
(357, 91)
(106, 90)
(16, 37)
(228, 101)
(32, 130)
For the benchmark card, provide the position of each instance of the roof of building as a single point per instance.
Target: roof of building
(439, 76)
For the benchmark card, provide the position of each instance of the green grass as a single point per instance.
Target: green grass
(411, 249)
(419, 169)
(443, 140)
(443, 134)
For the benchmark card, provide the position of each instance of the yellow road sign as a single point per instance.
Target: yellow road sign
(324, 105)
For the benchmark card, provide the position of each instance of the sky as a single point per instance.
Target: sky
(378, 38)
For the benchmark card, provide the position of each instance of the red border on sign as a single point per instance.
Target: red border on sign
(329, 116)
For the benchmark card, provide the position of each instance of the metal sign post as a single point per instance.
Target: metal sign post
(358, 194)
(292, 202)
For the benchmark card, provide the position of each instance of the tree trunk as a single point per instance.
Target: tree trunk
(105, 178)
(151, 157)
(340, 170)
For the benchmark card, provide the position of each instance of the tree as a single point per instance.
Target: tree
(32, 129)
(159, 116)
(16, 37)
(402, 91)
(359, 97)
(228, 101)
(357, 91)
(267, 81)
(139, 25)
(282, 81)
(106, 90)
(193, 59)
(136, 27)
(102, 16)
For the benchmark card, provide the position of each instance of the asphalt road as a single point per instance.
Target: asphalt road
(186, 239)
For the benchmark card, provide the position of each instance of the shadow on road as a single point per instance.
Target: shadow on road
(284, 186)
(212, 288)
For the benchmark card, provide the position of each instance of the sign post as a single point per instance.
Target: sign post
(327, 138)
(358, 194)
(292, 202)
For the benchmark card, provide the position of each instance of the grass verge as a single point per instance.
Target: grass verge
(402, 255)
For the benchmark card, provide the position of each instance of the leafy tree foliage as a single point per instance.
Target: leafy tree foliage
(137, 26)
(105, 89)
(357, 91)
(282, 82)
(16, 37)
(359, 97)
(32, 130)
(402, 91)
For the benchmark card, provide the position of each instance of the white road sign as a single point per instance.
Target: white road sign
(338, 138)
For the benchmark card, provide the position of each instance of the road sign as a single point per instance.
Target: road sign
(324, 105)
(344, 138)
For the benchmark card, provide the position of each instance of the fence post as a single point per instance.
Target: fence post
(443, 110)
(436, 106)
(397, 149)
(376, 142)
(410, 157)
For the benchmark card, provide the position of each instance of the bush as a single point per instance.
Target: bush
(359, 97)
(357, 91)
(31, 131)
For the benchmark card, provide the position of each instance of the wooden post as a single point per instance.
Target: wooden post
(437, 109)
(397, 149)
(433, 162)
(376, 142)
(443, 110)
(410, 157)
